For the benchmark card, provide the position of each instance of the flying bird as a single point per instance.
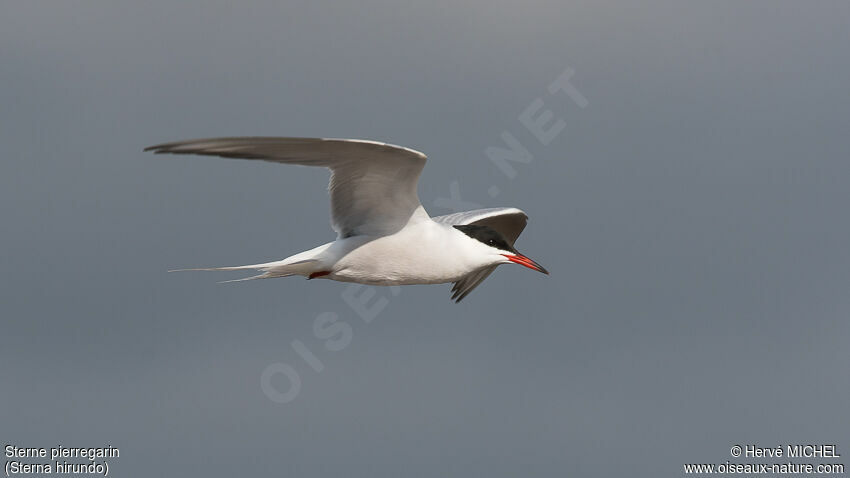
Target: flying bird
(384, 235)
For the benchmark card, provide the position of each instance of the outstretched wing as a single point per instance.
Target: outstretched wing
(509, 221)
(372, 186)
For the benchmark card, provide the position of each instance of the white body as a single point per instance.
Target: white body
(423, 252)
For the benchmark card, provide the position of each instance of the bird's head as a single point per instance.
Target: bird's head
(497, 249)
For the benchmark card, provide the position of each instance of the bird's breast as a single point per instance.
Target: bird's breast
(426, 254)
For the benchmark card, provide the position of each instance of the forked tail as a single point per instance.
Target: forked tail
(269, 270)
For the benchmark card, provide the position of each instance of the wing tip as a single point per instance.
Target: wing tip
(166, 148)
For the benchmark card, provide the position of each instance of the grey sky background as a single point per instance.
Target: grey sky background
(693, 215)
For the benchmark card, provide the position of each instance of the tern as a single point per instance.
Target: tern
(384, 235)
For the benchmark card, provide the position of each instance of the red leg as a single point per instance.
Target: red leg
(318, 274)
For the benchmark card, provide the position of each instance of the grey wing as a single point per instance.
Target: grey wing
(509, 221)
(463, 287)
(373, 185)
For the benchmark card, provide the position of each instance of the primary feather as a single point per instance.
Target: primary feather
(372, 186)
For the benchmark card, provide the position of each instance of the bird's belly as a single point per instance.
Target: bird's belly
(394, 260)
